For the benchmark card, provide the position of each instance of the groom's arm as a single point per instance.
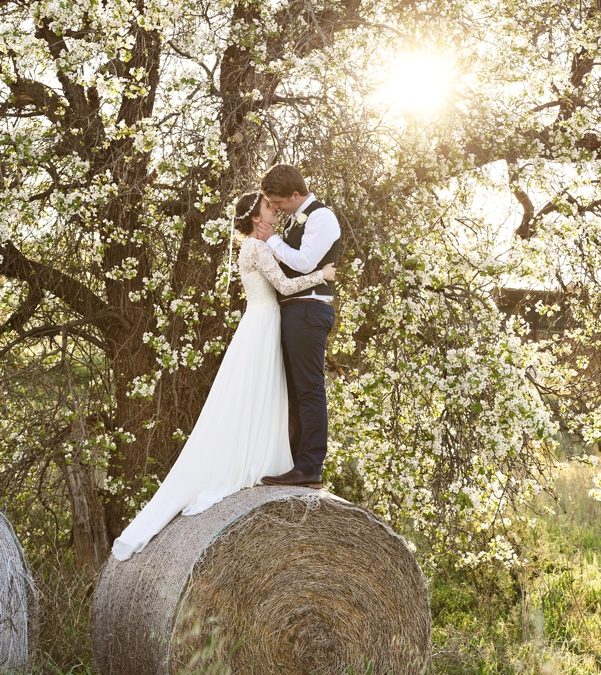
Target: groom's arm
(321, 231)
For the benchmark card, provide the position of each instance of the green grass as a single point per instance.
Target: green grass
(544, 619)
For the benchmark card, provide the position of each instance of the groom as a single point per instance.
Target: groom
(311, 239)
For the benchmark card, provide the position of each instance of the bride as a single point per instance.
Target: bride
(241, 433)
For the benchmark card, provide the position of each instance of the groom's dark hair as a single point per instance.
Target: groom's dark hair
(283, 180)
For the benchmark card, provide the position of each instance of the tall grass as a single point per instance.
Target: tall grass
(544, 619)
(65, 597)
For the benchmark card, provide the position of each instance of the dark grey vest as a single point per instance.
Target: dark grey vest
(293, 236)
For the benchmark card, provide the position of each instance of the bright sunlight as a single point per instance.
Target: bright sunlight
(417, 82)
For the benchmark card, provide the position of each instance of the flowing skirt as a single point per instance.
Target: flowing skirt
(240, 436)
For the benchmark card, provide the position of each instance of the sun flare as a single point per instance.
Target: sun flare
(416, 82)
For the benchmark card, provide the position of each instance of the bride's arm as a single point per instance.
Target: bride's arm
(267, 265)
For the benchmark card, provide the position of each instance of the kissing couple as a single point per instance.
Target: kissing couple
(265, 418)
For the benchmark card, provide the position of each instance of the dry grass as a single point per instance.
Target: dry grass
(65, 595)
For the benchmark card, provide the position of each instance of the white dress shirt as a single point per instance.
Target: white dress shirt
(321, 231)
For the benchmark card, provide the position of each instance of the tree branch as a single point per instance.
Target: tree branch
(209, 71)
(83, 110)
(530, 219)
(25, 93)
(73, 293)
(19, 317)
(52, 331)
(524, 231)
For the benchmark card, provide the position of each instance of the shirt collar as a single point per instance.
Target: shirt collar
(303, 206)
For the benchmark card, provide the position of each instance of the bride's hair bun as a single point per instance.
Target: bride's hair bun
(247, 206)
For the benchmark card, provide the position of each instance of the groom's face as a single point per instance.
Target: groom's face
(287, 205)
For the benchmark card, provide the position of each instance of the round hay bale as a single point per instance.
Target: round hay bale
(18, 603)
(296, 580)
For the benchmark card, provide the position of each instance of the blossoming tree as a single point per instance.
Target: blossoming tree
(127, 129)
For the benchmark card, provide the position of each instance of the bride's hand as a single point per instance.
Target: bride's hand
(329, 271)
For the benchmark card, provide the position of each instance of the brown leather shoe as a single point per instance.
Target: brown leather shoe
(294, 477)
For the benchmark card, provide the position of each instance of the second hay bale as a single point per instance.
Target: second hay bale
(18, 603)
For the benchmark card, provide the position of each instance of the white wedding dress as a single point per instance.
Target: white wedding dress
(241, 433)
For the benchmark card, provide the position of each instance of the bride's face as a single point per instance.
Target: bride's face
(267, 213)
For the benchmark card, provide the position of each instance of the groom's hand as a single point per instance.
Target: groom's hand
(264, 230)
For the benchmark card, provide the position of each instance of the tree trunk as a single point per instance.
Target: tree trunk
(90, 537)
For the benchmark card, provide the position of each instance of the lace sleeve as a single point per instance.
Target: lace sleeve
(267, 265)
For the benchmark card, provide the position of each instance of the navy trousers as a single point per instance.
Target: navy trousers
(305, 329)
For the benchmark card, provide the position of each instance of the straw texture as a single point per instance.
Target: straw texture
(18, 605)
(297, 580)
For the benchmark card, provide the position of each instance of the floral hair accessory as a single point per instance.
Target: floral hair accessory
(251, 208)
